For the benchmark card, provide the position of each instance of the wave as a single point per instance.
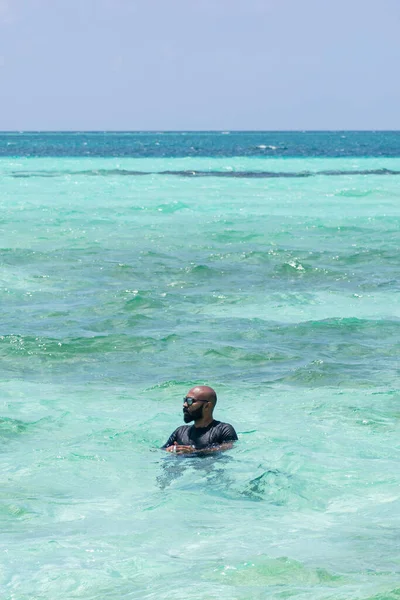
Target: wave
(329, 374)
(324, 265)
(263, 572)
(142, 301)
(240, 354)
(14, 428)
(343, 325)
(11, 427)
(12, 346)
(29, 344)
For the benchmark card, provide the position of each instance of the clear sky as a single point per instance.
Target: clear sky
(199, 64)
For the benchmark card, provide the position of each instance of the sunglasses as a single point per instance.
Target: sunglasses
(189, 401)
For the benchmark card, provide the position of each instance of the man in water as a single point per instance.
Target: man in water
(206, 434)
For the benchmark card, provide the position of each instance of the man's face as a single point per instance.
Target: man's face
(192, 407)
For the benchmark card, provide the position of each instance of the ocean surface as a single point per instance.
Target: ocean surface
(135, 265)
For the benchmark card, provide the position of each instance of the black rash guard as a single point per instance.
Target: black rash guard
(214, 434)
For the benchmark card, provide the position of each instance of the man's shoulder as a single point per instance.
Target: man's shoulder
(226, 429)
(176, 436)
(182, 428)
(221, 424)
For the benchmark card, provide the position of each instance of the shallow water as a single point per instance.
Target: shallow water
(120, 290)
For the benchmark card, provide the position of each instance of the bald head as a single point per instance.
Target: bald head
(203, 392)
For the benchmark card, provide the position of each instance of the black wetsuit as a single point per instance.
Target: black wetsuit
(214, 434)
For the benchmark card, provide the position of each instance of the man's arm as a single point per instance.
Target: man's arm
(218, 448)
(179, 449)
(170, 442)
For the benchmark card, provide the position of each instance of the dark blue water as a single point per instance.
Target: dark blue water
(329, 144)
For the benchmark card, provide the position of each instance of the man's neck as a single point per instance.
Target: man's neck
(203, 422)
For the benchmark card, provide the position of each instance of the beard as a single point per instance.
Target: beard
(192, 416)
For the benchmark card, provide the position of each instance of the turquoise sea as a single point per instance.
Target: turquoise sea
(135, 265)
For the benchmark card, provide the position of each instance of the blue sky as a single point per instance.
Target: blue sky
(204, 64)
